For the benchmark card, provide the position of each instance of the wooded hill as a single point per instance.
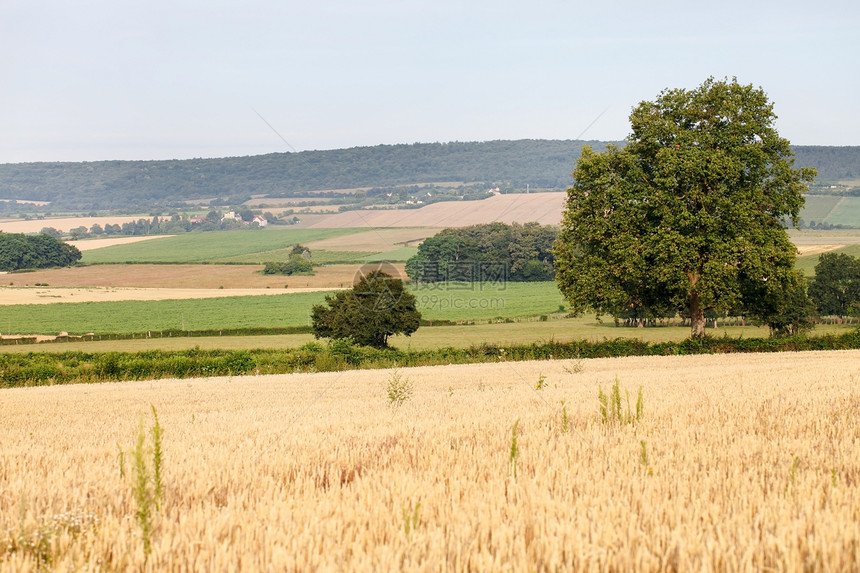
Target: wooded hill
(510, 165)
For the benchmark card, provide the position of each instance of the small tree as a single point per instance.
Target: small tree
(374, 309)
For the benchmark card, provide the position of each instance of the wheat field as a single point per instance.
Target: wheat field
(734, 463)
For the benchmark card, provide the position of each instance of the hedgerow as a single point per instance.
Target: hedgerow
(47, 368)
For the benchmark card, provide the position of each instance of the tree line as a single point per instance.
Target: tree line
(169, 225)
(136, 185)
(494, 252)
(20, 251)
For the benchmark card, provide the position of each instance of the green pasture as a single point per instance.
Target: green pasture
(241, 246)
(847, 213)
(141, 316)
(832, 209)
(427, 337)
(818, 207)
(457, 302)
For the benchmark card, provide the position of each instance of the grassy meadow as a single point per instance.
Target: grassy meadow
(738, 462)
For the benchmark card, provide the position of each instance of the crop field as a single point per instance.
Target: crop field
(129, 316)
(275, 310)
(181, 276)
(818, 207)
(545, 208)
(807, 263)
(847, 213)
(212, 247)
(740, 463)
(375, 240)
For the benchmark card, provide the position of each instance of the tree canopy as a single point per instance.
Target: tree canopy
(20, 251)
(689, 215)
(836, 286)
(489, 252)
(376, 308)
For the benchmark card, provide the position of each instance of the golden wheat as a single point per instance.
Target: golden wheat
(738, 463)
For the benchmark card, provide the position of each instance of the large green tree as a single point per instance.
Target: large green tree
(376, 308)
(487, 252)
(836, 286)
(20, 251)
(689, 212)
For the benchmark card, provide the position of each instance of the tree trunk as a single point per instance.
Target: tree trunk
(697, 316)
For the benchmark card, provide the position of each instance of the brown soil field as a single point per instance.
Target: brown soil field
(735, 463)
(545, 208)
(190, 277)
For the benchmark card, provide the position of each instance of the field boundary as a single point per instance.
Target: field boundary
(41, 369)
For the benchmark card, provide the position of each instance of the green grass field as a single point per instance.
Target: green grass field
(487, 300)
(832, 209)
(847, 213)
(427, 337)
(482, 302)
(243, 246)
(142, 316)
(817, 207)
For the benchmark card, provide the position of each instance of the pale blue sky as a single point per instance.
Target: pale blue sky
(156, 79)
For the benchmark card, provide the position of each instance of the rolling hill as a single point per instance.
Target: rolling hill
(146, 185)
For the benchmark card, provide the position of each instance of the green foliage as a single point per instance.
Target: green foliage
(147, 483)
(158, 483)
(296, 265)
(410, 519)
(786, 312)
(565, 420)
(688, 215)
(836, 286)
(515, 449)
(19, 251)
(611, 410)
(491, 252)
(374, 309)
(44, 368)
(143, 495)
(399, 389)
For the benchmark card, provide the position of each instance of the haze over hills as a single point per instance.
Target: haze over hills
(514, 166)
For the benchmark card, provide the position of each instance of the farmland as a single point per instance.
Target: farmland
(213, 247)
(276, 310)
(737, 462)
